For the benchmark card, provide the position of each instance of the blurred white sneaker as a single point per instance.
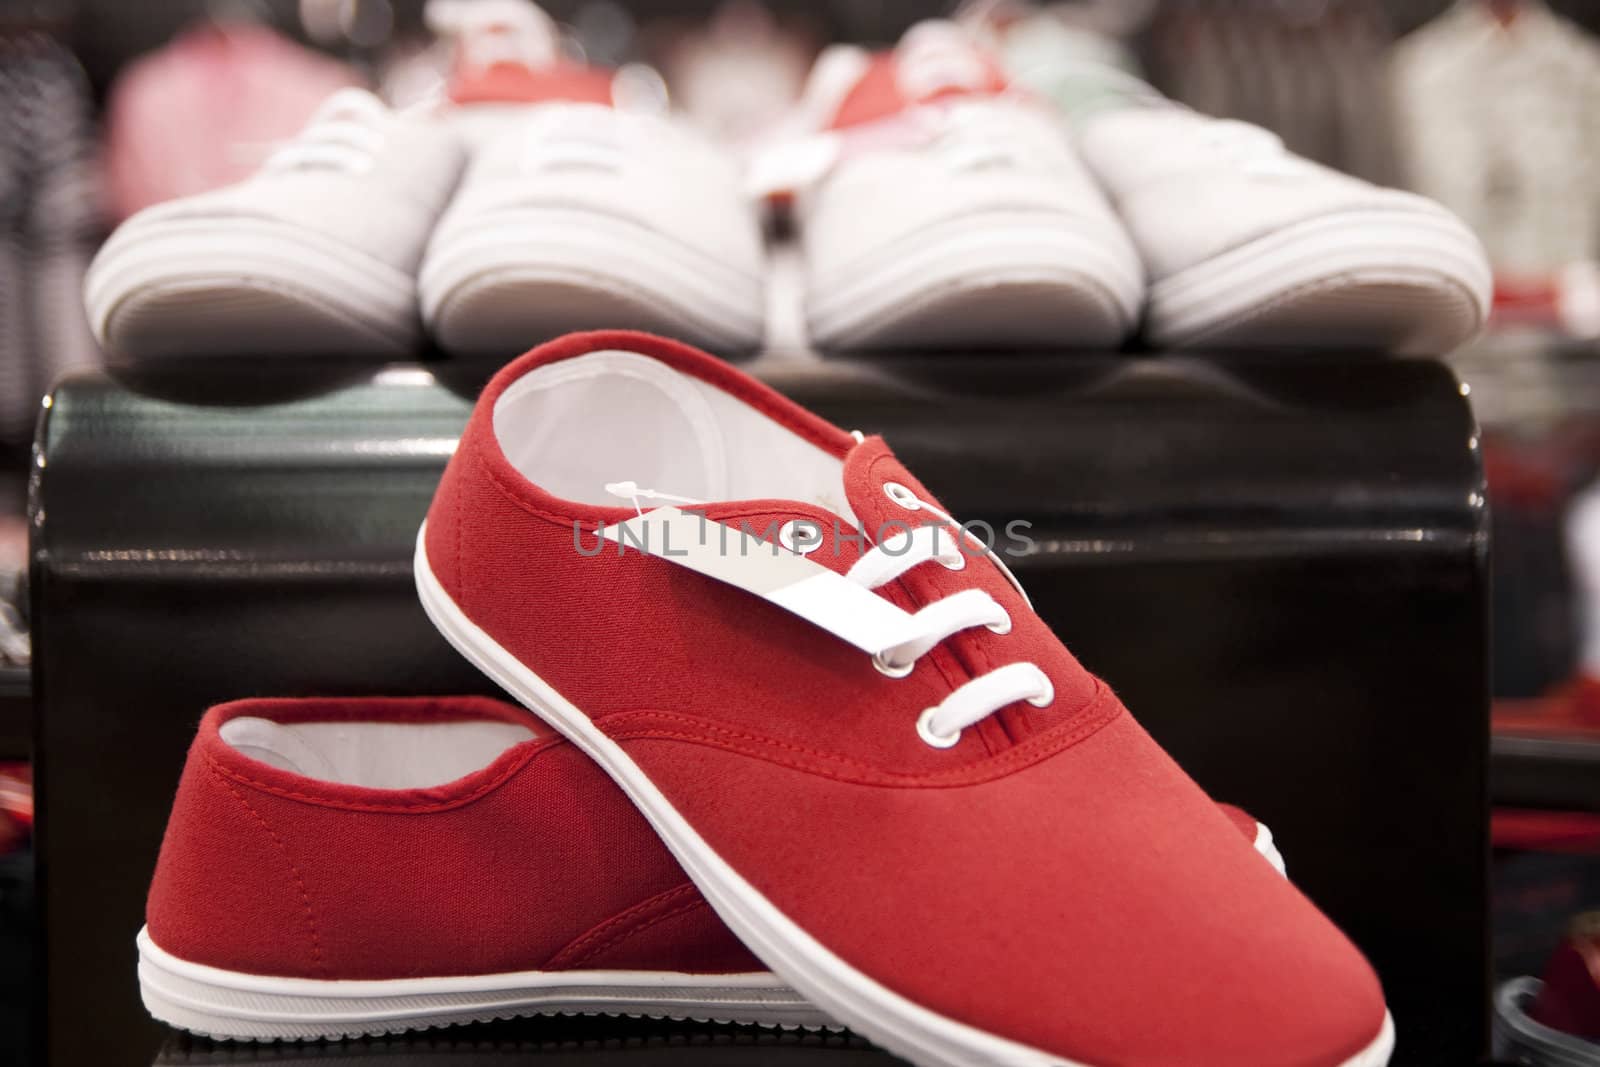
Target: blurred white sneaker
(1246, 244)
(317, 253)
(585, 216)
(951, 213)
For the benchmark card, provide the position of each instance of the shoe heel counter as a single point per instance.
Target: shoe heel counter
(227, 891)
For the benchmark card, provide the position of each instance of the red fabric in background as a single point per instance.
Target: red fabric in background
(207, 109)
(1545, 831)
(16, 805)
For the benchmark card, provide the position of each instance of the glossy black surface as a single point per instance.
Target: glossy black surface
(1278, 563)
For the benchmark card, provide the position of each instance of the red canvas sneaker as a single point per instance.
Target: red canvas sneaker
(321, 877)
(343, 867)
(882, 769)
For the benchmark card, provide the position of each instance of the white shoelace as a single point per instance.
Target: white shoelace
(345, 135)
(980, 697)
(972, 701)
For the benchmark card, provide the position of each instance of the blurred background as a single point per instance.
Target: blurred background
(1490, 106)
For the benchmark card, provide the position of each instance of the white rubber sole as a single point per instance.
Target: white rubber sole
(231, 286)
(988, 280)
(1407, 282)
(843, 992)
(245, 1007)
(514, 279)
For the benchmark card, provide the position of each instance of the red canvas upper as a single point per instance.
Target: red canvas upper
(536, 862)
(1054, 878)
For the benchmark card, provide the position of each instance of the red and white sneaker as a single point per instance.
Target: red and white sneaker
(343, 867)
(323, 876)
(948, 210)
(576, 213)
(504, 56)
(883, 770)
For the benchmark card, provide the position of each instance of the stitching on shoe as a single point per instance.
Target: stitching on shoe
(317, 961)
(514, 497)
(617, 929)
(1097, 714)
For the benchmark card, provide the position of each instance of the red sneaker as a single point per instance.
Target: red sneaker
(339, 867)
(883, 770)
(344, 867)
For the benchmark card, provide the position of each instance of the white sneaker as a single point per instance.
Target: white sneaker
(591, 217)
(1247, 244)
(504, 56)
(317, 253)
(954, 214)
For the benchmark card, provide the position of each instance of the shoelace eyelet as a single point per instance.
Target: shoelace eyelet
(1002, 628)
(786, 538)
(1047, 697)
(892, 670)
(925, 731)
(902, 496)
